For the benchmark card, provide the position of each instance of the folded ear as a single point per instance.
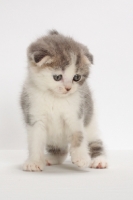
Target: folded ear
(42, 57)
(87, 55)
(38, 55)
(90, 57)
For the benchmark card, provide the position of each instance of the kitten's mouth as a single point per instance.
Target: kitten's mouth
(63, 94)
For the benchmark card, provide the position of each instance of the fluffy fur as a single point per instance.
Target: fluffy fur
(59, 114)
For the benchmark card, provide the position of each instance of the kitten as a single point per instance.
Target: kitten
(57, 105)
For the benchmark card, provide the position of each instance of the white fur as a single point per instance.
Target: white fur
(55, 118)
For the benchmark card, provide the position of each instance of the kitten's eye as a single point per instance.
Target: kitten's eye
(57, 78)
(77, 77)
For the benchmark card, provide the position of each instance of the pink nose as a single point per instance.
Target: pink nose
(68, 89)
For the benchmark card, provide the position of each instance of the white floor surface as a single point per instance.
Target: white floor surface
(66, 182)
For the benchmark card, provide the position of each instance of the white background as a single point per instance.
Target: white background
(106, 27)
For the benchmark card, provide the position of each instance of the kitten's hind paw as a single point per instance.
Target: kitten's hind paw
(55, 159)
(51, 160)
(99, 162)
(33, 166)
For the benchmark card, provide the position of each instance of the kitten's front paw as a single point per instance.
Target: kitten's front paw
(81, 160)
(33, 166)
(99, 162)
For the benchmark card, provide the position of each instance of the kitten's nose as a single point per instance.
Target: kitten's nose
(67, 89)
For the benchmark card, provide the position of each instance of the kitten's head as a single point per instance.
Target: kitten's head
(58, 63)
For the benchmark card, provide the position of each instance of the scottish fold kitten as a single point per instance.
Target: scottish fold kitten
(58, 106)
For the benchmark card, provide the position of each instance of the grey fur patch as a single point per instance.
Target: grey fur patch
(76, 139)
(60, 48)
(96, 148)
(53, 32)
(86, 106)
(25, 105)
(56, 150)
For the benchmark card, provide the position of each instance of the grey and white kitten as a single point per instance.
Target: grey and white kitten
(58, 106)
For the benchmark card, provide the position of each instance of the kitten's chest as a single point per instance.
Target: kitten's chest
(57, 110)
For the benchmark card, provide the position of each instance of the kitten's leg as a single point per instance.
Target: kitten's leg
(79, 150)
(97, 154)
(56, 155)
(36, 141)
(96, 147)
(78, 143)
